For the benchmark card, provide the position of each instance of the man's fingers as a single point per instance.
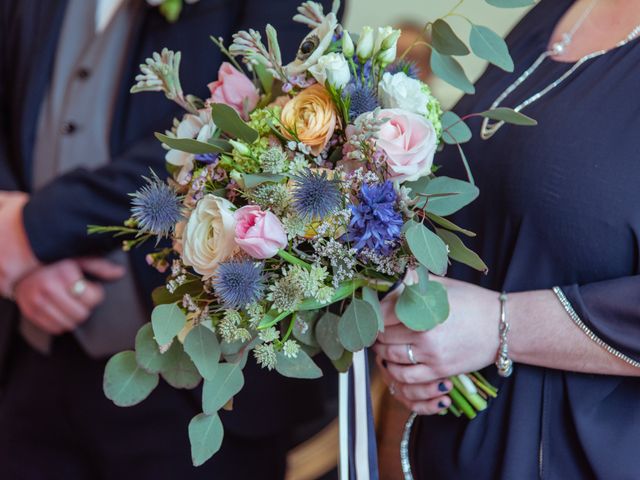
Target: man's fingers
(93, 295)
(68, 304)
(101, 268)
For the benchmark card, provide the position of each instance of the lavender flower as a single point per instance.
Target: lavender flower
(238, 283)
(375, 223)
(156, 207)
(315, 195)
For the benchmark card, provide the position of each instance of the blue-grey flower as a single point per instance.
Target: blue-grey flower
(207, 158)
(363, 99)
(315, 196)
(408, 67)
(156, 207)
(238, 283)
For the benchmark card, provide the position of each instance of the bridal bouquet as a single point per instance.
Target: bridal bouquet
(299, 194)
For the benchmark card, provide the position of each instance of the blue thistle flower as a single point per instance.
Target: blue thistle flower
(238, 283)
(207, 158)
(375, 222)
(408, 67)
(315, 196)
(156, 207)
(363, 99)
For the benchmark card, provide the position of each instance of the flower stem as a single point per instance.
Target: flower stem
(461, 403)
(287, 257)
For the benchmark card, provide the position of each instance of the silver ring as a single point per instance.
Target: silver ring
(79, 287)
(392, 388)
(410, 354)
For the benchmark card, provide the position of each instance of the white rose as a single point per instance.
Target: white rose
(403, 92)
(208, 238)
(332, 67)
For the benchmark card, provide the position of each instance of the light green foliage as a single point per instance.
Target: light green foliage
(205, 434)
(219, 389)
(202, 346)
(125, 382)
(358, 326)
(427, 247)
(423, 306)
(167, 321)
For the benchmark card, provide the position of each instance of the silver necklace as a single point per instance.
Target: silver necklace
(489, 128)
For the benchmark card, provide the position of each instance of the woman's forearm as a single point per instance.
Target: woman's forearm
(542, 334)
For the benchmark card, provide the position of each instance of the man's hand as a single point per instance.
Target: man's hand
(16, 257)
(57, 298)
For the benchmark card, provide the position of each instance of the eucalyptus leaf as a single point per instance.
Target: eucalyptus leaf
(327, 336)
(445, 40)
(253, 180)
(510, 3)
(449, 70)
(490, 46)
(148, 354)
(464, 194)
(125, 383)
(302, 366)
(195, 147)
(427, 247)
(358, 326)
(459, 252)
(421, 311)
(228, 120)
(343, 364)
(161, 295)
(205, 434)
(167, 321)
(449, 225)
(370, 296)
(304, 327)
(509, 115)
(202, 346)
(454, 129)
(222, 387)
(180, 371)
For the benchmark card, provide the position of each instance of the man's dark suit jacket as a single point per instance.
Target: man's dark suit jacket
(57, 216)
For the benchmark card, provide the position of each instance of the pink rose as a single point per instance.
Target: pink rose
(410, 141)
(259, 233)
(234, 88)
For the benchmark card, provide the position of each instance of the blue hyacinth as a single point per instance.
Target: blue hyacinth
(375, 222)
(207, 158)
(238, 283)
(363, 99)
(156, 207)
(316, 196)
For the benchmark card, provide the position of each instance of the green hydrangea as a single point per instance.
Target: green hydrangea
(262, 119)
(434, 110)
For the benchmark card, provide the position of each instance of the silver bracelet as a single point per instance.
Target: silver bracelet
(504, 364)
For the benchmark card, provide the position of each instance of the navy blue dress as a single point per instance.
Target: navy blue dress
(559, 206)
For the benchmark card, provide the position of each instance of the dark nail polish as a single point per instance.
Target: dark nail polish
(442, 387)
(384, 363)
(441, 404)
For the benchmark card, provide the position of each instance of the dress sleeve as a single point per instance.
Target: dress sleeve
(608, 312)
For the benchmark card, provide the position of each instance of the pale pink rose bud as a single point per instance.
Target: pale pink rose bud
(260, 234)
(233, 88)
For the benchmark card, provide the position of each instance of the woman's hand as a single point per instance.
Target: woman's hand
(467, 341)
(57, 298)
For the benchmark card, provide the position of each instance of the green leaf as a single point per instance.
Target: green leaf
(217, 391)
(167, 321)
(420, 311)
(490, 46)
(180, 371)
(302, 366)
(253, 180)
(304, 328)
(266, 79)
(465, 193)
(228, 120)
(343, 364)
(370, 296)
(510, 3)
(358, 326)
(125, 382)
(205, 434)
(427, 247)
(445, 41)
(195, 147)
(161, 295)
(459, 252)
(454, 129)
(171, 9)
(509, 115)
(202, 346)
(449, 70)
(327, 336)
(148, 354)
(449, 225)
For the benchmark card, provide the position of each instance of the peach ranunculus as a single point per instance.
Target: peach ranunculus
(259, 233)
(312, 116)
(208, 237)
(234, 88)
(409, 142)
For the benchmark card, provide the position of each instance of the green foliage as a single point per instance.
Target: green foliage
(125, 382)
(167, 321)
(219, 389)
(304, 327)
(423, 306)
(358, 326)
(302, 366)
(180, 372)
(449, 225)
(427, 247)
(148, 354)
(205, 434)
(445, 41)
(490, 46)
(202, 346)
(458, 251)
(449, 70)
(370, 296)
(228, 120)
(509, 115)
(343, 364)
(255, 179)
(454, 129)
(189, 145)
(455, 194)
(327, 336)
(161, 295)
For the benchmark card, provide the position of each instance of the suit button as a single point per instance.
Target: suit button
(84, 73)
(68, 128)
